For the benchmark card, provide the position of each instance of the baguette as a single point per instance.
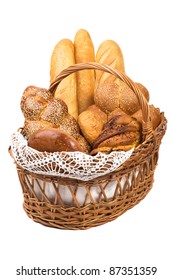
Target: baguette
(84, 52)
(109, 53)
(61, 58)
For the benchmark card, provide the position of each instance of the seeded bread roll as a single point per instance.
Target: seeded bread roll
(62, 57)
(109, 96)
(117, 94)
(84, 52)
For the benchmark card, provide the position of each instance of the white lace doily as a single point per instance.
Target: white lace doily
(74, 165)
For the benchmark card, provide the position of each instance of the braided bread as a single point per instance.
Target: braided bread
(42, 111)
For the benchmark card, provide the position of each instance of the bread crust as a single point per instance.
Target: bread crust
(53, 140)
(154, 114)
(62, 57)
(117, 94)
(84, 52)
(109, 53)
(91, 122)
(121, 132)
(41, 111)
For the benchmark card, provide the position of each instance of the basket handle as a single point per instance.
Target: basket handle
(147, 126)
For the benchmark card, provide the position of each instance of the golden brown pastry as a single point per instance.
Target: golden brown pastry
(121, 132)
(48, 112)
(116, 112)
(84, 52)
(61, 58)
(91, 122)
(109, 53)
(53, 140)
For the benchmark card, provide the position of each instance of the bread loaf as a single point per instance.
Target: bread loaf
(91, 122)
(84, 52)
(117, 94)
(43, 111)
(109, 96)
(53, 140)
(154, 114)
(109, 53)
(121, 132)
(61, 58)
(90, 111)
(31, 127)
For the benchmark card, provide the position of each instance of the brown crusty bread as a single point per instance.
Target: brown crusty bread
(154, 114)
(53, 140)
(117, 94)
(62, 57)
(91, 122)
(84, 52)
(121, 132)
(109, 53)
(43, 111)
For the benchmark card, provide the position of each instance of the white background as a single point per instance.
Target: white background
(29, 32)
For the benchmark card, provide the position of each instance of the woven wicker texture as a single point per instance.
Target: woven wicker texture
(73, 204)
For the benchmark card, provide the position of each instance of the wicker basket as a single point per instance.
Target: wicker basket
(128, 185)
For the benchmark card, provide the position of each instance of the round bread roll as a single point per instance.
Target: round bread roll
(53, 140)
(117, 94)
(91, 122)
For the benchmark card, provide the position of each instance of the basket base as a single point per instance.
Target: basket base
(86, 217)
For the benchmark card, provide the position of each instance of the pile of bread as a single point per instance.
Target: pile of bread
(90, 111)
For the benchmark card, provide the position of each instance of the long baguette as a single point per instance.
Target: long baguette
(109, 53)
(63, 57)
(84, 52)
